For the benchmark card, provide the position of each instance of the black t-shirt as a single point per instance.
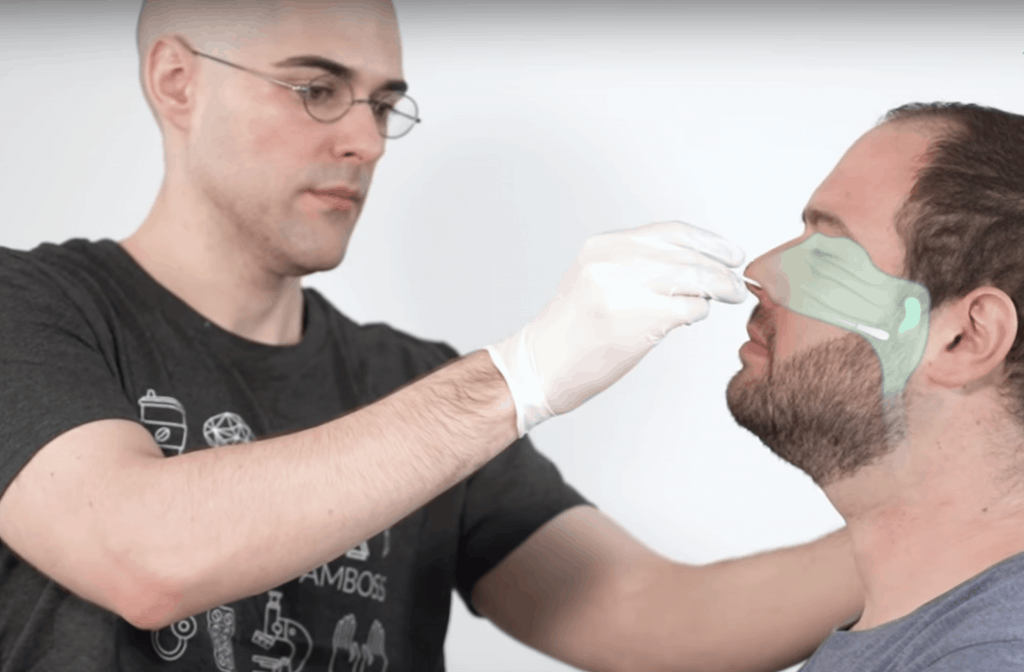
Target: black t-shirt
(86, 334)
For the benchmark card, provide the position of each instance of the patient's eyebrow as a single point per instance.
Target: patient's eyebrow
(336, 69)
(816, 217)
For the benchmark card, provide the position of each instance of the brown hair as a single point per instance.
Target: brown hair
(962, 224)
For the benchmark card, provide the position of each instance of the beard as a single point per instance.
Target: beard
(821, 409)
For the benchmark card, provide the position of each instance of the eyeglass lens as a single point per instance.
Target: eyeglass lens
(330, 97)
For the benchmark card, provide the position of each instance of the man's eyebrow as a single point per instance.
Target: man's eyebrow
(815, 217)
(336, 69)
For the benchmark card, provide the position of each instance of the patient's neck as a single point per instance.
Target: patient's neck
(924, 520)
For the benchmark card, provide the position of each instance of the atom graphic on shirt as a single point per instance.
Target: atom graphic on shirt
(226, 429)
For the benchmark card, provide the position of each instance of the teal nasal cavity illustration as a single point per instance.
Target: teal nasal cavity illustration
(834, 280)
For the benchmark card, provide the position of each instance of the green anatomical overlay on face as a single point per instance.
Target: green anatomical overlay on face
(833, 280)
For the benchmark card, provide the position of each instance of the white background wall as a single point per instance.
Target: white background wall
(546, 123)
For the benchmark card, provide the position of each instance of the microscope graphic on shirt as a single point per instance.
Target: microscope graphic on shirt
(278, 639)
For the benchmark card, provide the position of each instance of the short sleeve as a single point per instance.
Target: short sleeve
(506, 501)
(54, 375)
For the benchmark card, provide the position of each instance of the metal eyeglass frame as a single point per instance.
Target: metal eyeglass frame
(304, 89)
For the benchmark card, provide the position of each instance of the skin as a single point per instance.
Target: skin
(935, 494)
(230, 216)
(233, 229)
(232, 233)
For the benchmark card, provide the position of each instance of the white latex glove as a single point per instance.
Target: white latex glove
(624, 293)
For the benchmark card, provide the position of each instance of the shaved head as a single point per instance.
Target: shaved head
(221, 27)
(249, 171)
(230, 24)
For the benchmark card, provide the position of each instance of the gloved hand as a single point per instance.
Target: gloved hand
(625, 292)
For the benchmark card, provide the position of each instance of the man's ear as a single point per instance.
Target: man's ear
(170, 80)
(969, 338)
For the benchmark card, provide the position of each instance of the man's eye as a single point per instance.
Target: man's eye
(382, 108)
(321, 93)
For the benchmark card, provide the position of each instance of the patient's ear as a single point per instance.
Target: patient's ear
(968, 338)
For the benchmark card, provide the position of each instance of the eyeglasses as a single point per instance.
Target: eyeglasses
(328, 98)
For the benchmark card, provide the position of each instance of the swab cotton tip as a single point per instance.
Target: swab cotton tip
(755, 283)
(874, 331)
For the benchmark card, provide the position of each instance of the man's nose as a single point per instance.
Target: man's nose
(762, 296)
(357, 134)
(756, 277)
(767, 271)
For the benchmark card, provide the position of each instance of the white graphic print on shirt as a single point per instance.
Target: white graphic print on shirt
(361, 551)
(172, 642)
(349, 580)
(226, 429)
(220, 623)
(345, 640)
(286, 642)
(373, 650)
(165, 418)
(360, 657)
(354, 580)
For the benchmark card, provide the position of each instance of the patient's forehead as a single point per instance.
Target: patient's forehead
(870, 185)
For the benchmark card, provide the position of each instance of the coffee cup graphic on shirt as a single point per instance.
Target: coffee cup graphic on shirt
(165, 418)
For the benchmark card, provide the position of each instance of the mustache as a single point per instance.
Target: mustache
(345, 173)
(766, 324)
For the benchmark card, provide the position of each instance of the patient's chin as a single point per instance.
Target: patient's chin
(820, 410)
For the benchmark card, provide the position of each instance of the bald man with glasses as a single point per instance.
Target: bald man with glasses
(328, 97)
(205, 465)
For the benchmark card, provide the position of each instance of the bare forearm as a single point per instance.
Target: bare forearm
(759, 613)
(238, 520)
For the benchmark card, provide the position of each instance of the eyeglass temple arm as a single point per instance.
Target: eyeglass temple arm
(293, 87)
(393, 110)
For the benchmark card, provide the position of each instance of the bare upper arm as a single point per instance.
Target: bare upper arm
(562, 590)
(59, 512)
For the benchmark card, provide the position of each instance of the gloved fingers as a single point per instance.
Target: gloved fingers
(655, 315)
(680, 235)
(626, 247)
(670, 312)
(637, 264)
(699, 281)
(648, 262)
(681, 257)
